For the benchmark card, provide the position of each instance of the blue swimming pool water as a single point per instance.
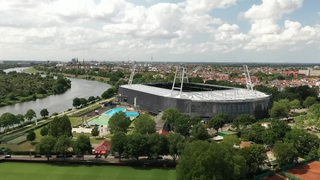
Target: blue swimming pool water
(115, 110)
(132, 114)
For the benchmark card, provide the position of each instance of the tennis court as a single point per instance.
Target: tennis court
(306, 171)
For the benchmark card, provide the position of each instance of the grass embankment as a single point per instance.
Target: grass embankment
(88, 77)
(85, 110)
(32, 70)
(31, 171)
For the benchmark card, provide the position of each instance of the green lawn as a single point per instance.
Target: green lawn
(33, 171)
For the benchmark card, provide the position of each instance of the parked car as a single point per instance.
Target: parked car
(37, 156)
(7, 156)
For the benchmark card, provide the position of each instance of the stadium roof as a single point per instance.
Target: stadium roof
(232, 94)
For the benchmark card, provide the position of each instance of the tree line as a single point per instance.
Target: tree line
(81, 102)
(9, 120)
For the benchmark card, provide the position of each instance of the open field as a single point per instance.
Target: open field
(31, 70)
(33, 171)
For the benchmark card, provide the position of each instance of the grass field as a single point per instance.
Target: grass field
(34, 171)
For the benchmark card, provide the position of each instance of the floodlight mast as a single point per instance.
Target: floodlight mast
(248, 78)
(133, 69)
(179, 74)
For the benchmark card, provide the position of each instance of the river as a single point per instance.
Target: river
(58, 103)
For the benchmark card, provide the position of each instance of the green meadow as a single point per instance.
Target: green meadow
(42, 171)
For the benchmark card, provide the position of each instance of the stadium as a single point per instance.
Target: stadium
(195, 99)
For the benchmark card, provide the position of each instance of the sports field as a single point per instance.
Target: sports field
(306, 171)
(41, 171)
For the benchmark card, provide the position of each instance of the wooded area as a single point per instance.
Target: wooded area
(20, 87)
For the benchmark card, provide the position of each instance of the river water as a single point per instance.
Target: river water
(58, 103)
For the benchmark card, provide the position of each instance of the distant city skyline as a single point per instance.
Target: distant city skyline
(284, 31)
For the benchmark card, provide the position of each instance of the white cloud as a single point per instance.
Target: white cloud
(203, 6)
(267, 33)
(272, 9)
(264, 16)
(188, 27)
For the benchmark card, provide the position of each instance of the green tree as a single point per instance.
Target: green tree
(276, 131)
(231, 140)
(206, 161)
(76, 102)
(83, 101)
(176, 145)
(119, 122)
(137, 145)
(144, 124)
(243, 120)
(46, 146)
(295, 104)
(20, 118)
(199, 132)
(170, 115)
(44, 112)
(60, 126)
(315, 111)
(285, 153)
(44, 131)
(279, 128)
(196, 79)
(95, 131)
(309, 101)
(255, 156)
(158, 145)
(91, 99)
(108, 93)
(119, 142)
(255, 133)
(218, 121)
(30, 114)
(82, 145)
(280, 109)
(31, 136)
(62, 145)
(7, 119)
(307, 144)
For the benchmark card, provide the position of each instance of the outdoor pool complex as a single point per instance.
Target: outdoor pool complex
(103, 119)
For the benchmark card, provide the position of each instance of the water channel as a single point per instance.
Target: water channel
(58, 103)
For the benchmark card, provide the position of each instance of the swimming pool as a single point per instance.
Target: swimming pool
(113, 111)
(132, 114)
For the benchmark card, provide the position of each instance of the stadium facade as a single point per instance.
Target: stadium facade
(195, 99)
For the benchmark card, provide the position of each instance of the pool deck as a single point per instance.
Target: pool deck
(102, 119)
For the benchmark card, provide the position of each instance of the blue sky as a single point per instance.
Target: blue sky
(176, 30)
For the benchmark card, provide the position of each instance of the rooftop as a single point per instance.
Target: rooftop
(228, 94)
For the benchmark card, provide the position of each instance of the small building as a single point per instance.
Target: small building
(103, 148)
(245, 144)
(163, 132)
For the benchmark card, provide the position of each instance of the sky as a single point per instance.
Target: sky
(284, 31)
